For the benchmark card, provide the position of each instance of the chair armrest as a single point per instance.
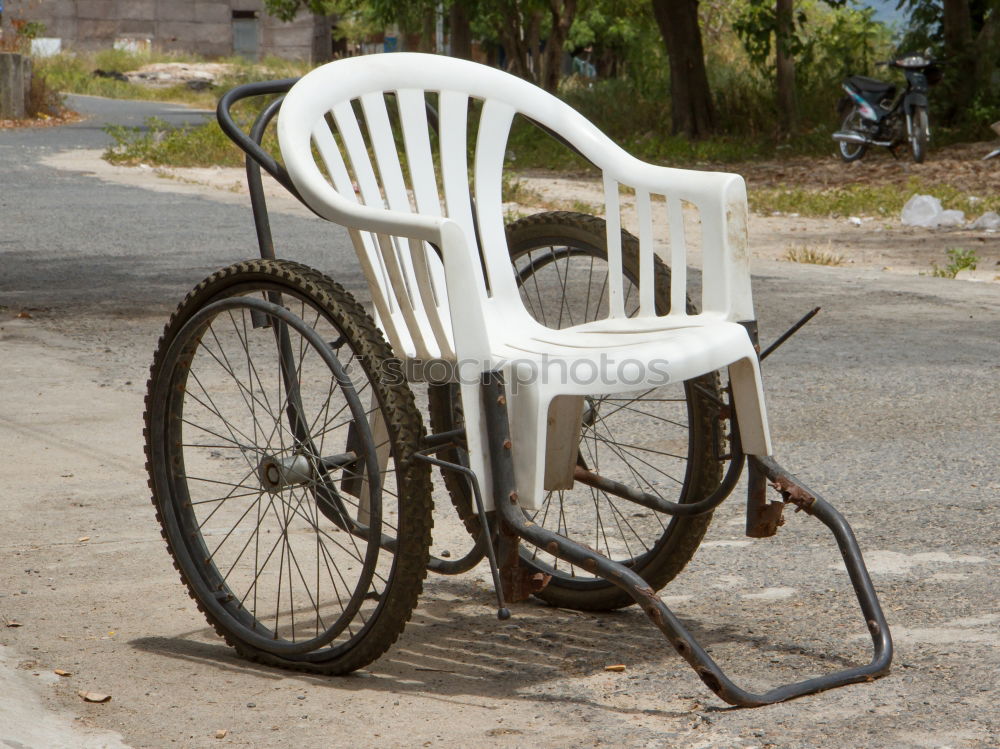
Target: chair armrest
(721, 199)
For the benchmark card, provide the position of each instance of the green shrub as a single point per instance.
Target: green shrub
(159, 144)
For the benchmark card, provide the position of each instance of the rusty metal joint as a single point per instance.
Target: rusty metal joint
(792, 493)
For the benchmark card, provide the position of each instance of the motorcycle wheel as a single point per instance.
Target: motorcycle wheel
(919, 134)
(852, 151)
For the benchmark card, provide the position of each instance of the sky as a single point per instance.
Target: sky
(885, 10)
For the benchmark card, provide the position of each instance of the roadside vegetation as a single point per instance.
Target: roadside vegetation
(101, 74)
(622, 60)
(813, 255)
(863, 199)
(959, 259)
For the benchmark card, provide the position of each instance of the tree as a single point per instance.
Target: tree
(784, 63)
(461, 34)
(967, 34)
(533, 34)
(691, 107)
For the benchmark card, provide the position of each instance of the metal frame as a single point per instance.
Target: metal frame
(503, 530)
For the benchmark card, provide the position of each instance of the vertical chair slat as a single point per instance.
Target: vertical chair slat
(364, 244)
(407, 309)
(455, 162)
(385, 252)
(715, 291)
(494, 127)
(357, 152)
(434, 311)
(416, 140)
(420, 294)
(427, 266)
(647, 282)
(678, 257)
(614, 227)
(386, 155)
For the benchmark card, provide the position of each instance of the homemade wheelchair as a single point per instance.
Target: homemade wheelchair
(578, 400)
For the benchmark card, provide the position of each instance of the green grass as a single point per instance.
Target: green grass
(959, 259)
(159, 144)
(530, 148)
(73, 73)
(813, 256)
(864, 200)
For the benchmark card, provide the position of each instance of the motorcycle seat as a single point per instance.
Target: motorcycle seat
(880, 89)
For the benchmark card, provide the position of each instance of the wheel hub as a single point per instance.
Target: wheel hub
(277, 473)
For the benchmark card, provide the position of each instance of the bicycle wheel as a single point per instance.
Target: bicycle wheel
(920, 134)
(277, 459)
(853, 122)
(661, 441)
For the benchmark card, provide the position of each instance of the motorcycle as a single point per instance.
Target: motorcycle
(875, 116)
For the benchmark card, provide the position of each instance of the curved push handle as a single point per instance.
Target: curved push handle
(251, 144)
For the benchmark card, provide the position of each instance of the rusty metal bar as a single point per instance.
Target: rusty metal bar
(789, 333)
(763, 517)
(512, 517)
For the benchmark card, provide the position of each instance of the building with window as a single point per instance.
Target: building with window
(214, 28)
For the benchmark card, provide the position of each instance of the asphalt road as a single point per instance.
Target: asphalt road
(888, 404)
(68, 240)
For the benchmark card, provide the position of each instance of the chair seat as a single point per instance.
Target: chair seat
(621, 355)
(612, 357)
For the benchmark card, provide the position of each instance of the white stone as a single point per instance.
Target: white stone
(45, 46)
(922, 210)
(989, 220)
(951, 218)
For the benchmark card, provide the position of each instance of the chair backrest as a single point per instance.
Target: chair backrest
(399, 180)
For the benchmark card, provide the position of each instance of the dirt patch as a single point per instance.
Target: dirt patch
(165, 74)
(65, 118)
(960, 166)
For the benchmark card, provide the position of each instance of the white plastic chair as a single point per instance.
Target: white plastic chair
(459, 314)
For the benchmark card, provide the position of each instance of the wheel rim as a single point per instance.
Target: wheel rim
(270, 559)
(853, 122)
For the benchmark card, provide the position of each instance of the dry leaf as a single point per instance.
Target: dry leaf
(221, 733)
(81, 539)
(12, 623)
(618, 667)
(94, 697)
(60, 672)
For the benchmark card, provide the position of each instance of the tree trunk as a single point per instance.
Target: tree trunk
(427, 32)
(690, 99)
(961, 54)
(322, 38)
(534, 42)
(461, 36)
(788, 107)
(987, 42)
(562, 13)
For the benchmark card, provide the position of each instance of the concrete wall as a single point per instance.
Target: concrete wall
(15, 80)
(200, 26)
